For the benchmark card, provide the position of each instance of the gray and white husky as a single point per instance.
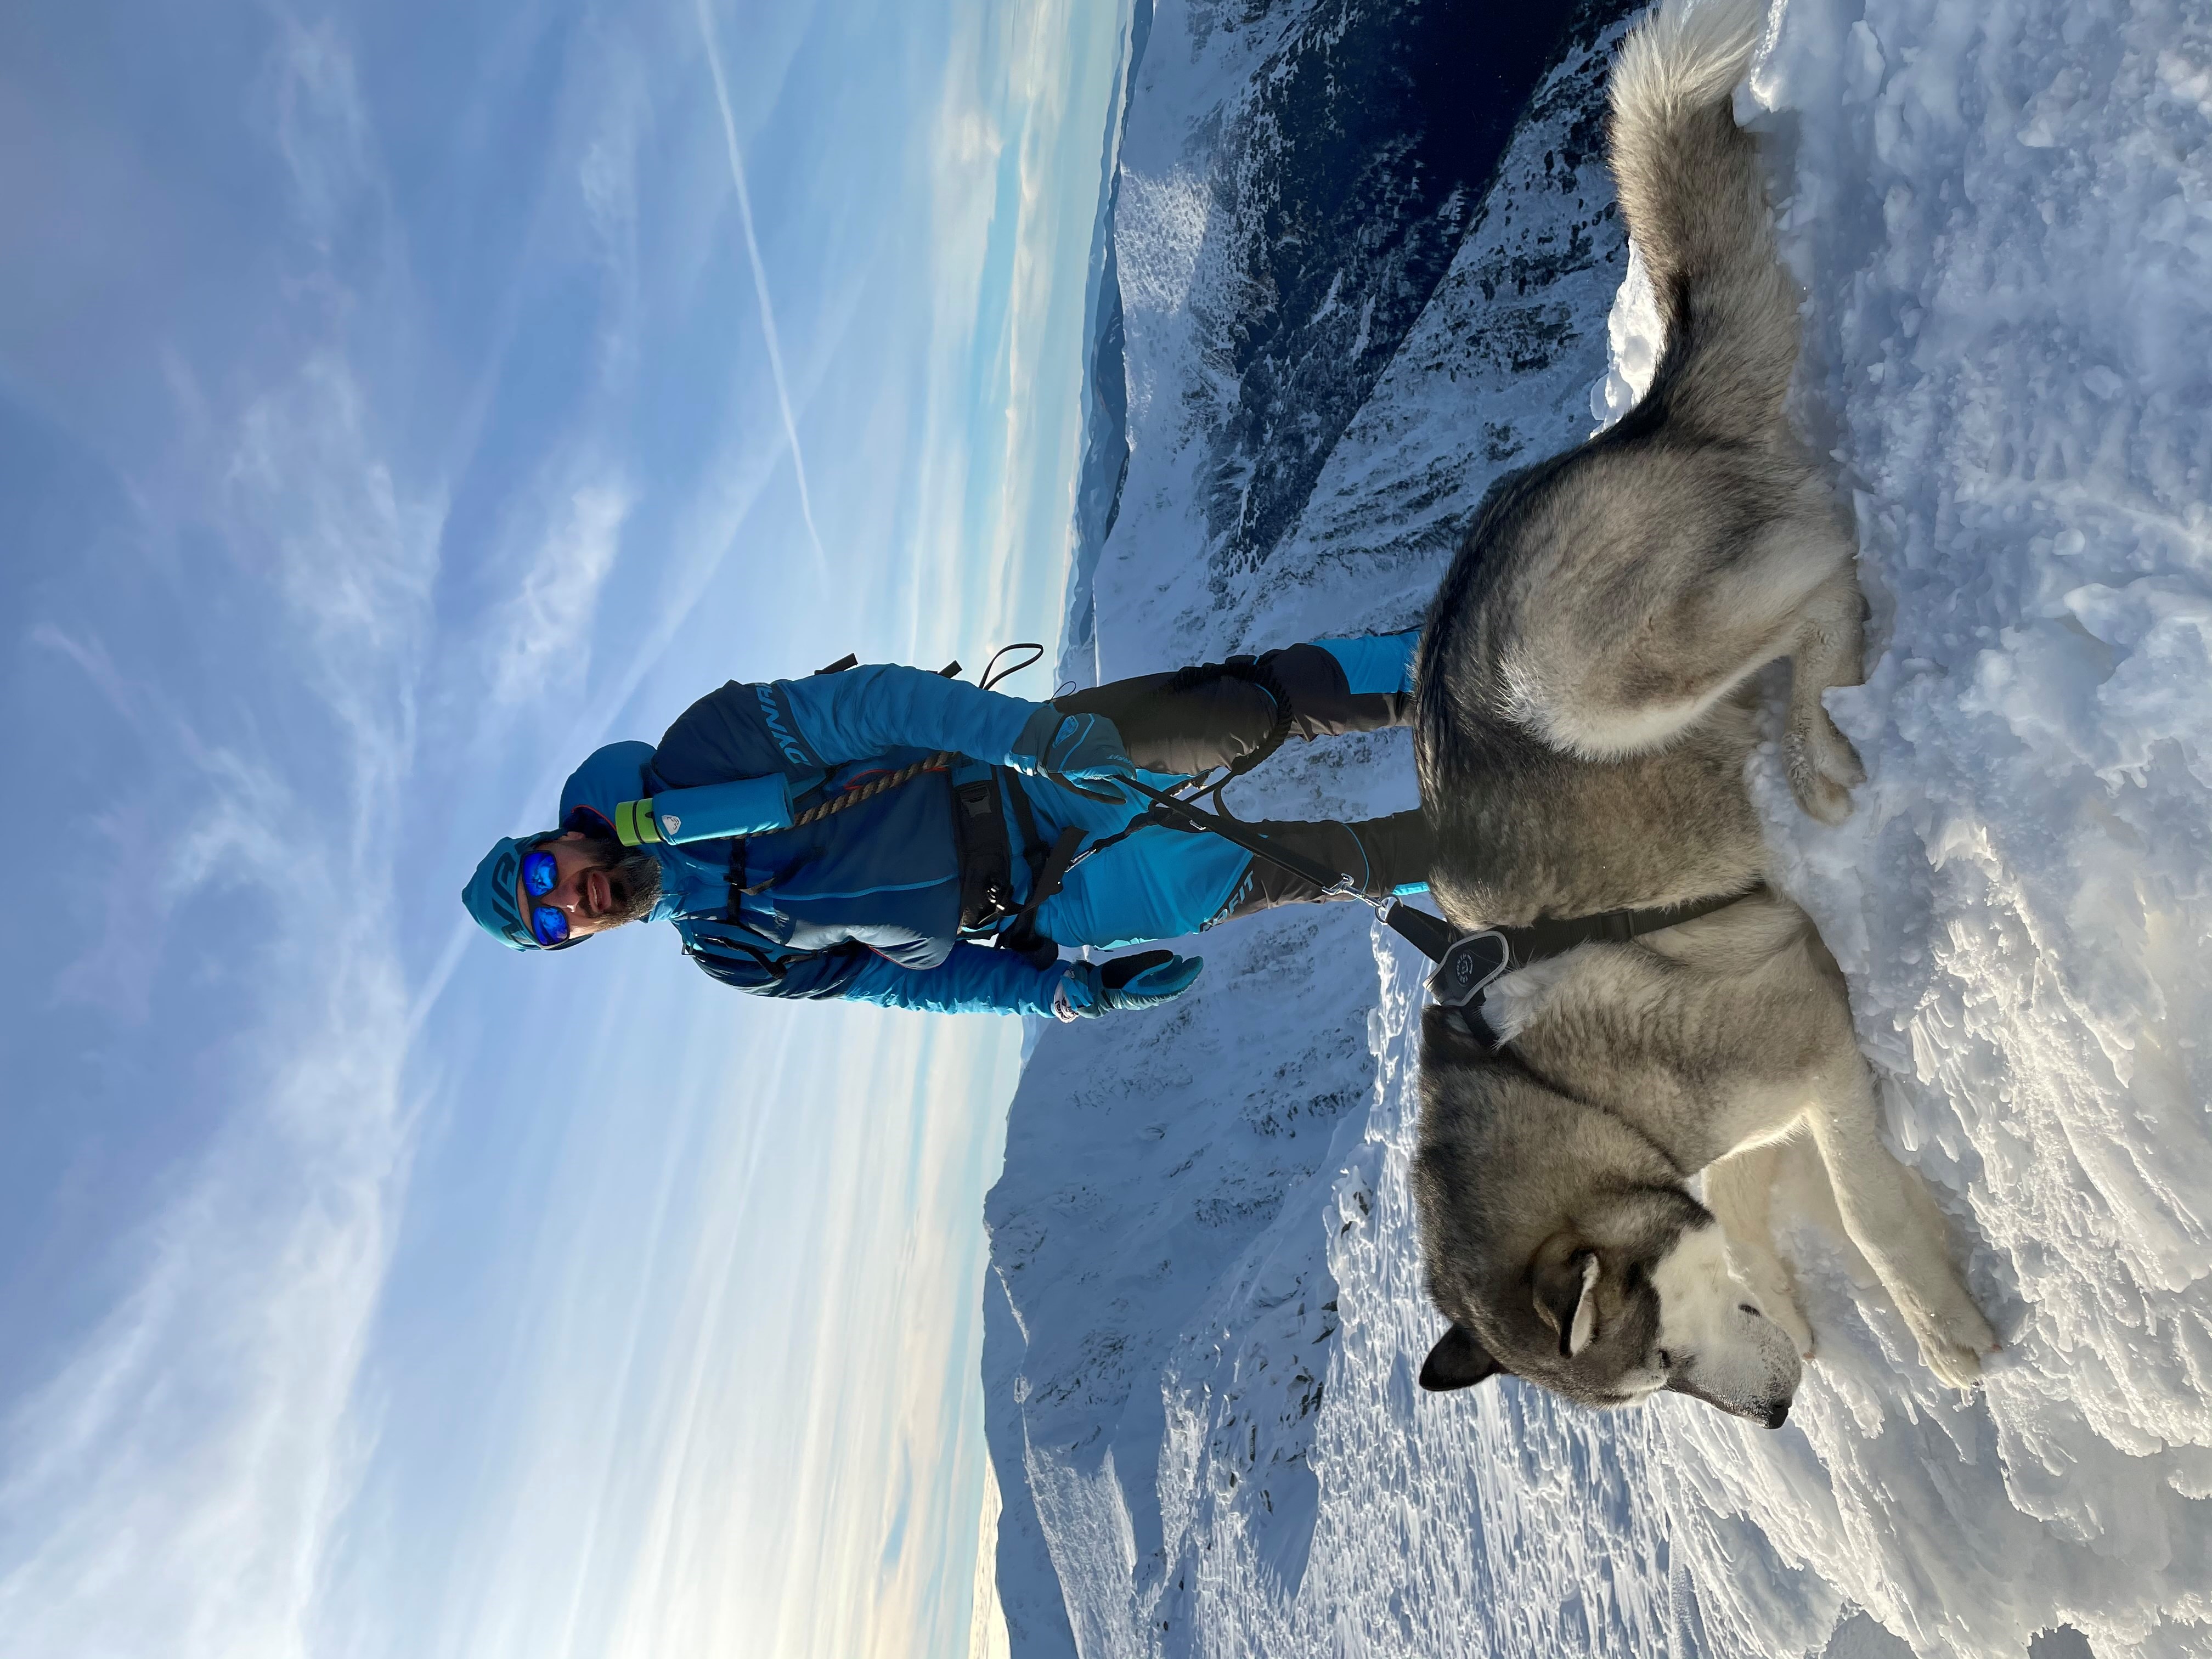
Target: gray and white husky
(1584, 717)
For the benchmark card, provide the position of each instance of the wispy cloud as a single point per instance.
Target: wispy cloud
(320, 127)
(173, 1488)
(173, 1485)
(117, 971)
(546, 630)
(760, 285)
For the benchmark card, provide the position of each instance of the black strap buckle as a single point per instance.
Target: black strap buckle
(1473, 964)
(986, 855)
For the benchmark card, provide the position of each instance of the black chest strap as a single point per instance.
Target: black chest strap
(987, 854)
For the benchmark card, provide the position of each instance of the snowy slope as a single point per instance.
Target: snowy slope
(1205, 1311)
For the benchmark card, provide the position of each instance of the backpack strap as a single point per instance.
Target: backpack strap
(987, 856)
(1017, 930)
(1034, 847)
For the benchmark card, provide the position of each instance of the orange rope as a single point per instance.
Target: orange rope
(940, 762)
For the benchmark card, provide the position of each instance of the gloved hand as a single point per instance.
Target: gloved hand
(1083, 747)
(1143, 980)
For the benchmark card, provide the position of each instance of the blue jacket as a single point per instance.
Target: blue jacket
(865, 904)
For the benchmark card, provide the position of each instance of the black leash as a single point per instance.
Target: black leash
(1467, 964)
(1430, 935)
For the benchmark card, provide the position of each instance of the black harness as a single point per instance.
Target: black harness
(1471, 963)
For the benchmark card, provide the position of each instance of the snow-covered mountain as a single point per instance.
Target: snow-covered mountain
(1205, 1311)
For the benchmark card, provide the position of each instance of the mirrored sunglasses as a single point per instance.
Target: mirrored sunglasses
(540, 875)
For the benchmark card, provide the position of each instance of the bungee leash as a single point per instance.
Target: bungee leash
(1430, 935)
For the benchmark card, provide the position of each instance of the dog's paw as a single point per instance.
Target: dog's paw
(1953, 1342)
(1823, 767)
(1955, 1365)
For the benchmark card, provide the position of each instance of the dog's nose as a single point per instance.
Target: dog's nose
(1778, 1416)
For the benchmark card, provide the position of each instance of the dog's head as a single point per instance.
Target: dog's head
(1566, 1253)
(1609, 1328)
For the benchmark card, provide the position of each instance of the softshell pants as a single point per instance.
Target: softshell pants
(1163, 882)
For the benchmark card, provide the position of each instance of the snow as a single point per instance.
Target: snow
(1206, 1311)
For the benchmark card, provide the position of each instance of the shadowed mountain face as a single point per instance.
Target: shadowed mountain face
(1352, 175)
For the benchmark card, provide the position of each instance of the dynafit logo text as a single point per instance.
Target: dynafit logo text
(777, 729)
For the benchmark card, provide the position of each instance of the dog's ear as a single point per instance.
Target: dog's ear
(1457, 1361)
(1567, 1292)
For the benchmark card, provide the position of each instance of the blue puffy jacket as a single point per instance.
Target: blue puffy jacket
(864, 904)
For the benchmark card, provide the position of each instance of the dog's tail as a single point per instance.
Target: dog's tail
(1696, 203)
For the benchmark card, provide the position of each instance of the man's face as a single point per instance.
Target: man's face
(585, 893)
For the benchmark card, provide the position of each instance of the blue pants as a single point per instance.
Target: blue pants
(1157, 883)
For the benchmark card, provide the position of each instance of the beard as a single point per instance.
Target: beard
(633, 877)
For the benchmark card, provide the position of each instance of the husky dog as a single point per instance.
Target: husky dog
(1584, 716)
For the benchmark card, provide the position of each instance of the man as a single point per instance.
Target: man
(893, 836)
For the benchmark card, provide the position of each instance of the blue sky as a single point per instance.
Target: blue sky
(391, 412)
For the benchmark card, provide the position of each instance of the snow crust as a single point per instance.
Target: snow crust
(1206, 1312)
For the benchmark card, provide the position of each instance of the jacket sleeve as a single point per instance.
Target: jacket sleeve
(811, 725)
(809, 978)
(864, 711)
(973, 980)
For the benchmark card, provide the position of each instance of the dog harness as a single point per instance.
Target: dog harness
(1471, 963)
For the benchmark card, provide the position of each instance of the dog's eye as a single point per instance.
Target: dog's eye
(1746, 1307)
(1666, 1360)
